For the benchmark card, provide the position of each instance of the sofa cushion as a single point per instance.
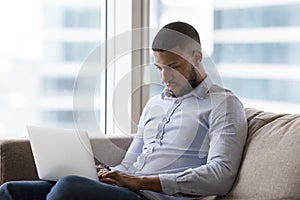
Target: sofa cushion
(270, 168)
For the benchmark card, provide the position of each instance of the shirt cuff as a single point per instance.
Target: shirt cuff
(168, 183)
(119, 168)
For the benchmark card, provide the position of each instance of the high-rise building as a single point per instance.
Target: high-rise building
(43, 46)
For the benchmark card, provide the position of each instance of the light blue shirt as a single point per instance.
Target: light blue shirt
(194, 142)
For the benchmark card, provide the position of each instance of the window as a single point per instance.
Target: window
(44, 52)
(42, 48)
(68, 51)
(258, 16)
(253, 45)
(73, 17)
(58, 86)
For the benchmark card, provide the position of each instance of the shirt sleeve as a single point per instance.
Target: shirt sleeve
(227, 136)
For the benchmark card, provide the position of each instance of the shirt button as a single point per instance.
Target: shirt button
(158, 137)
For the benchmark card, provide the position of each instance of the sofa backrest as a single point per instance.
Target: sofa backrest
(110, 150)
(270, 167)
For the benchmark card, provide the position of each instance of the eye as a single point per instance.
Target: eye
(174, 66)
(158, 67)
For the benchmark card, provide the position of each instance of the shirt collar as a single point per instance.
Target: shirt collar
(200, 91)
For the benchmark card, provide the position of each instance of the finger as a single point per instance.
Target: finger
(103, 174)
(108, 181)
(99, 167)
(101, 171)
(110, 174)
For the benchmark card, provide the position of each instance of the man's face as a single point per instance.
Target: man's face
(177, 74)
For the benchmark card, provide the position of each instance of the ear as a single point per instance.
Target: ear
(197, 57)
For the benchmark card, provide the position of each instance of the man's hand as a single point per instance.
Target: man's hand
(130, 182)
(101, 169)
(120, 179)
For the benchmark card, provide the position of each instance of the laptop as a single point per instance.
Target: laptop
(61, 152)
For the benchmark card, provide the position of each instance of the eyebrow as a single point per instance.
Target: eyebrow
(170, 65)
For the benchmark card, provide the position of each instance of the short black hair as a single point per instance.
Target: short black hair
(175, 34)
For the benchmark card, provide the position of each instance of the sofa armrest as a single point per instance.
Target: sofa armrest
(17, 163)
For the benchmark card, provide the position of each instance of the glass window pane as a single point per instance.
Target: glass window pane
(43, 45)
(265, 89)
(255, 48)
(276, 53)
(267, 16)
(68, 17)
(68, 51)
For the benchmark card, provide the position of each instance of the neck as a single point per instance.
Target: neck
(201, 74)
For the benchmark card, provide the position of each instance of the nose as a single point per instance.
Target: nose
(166, 75)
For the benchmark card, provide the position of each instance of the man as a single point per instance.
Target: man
(189, 143)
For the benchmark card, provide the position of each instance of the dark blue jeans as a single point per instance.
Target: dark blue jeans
(67, 188)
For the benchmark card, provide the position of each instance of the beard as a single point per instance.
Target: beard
(193, 78)
(191, 83)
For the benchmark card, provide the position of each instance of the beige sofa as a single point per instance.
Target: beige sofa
(270, 168)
